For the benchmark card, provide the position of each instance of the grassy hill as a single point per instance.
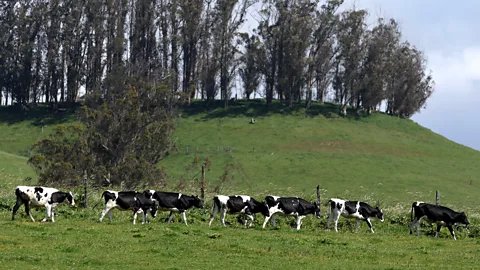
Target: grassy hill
(286, 152)
(378, 158)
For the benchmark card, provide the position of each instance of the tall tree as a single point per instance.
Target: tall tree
(229, 16)
(322, 51)
(249, 70)
(382, 42)
(351, 47)
(191, 12)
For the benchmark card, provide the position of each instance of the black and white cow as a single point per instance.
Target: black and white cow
(138, 202)
(353, 209)
(176, 202)
(441, 215)
(291, 206)
(236, 204)
(41, 197)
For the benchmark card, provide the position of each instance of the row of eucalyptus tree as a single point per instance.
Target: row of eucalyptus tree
(299, 51)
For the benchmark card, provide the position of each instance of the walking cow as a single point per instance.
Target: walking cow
(236, 204)
(138, 202)
(441, 215)
(46, 197)
(292, 206)
(176, 202)
(353, 209)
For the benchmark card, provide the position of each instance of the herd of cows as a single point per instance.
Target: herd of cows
(151, 201)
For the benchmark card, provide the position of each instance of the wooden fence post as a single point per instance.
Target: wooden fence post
(437, 197)
(85, 190)
(318, 196)
(202, 189)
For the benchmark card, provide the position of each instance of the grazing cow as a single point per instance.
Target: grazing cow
(353, 209)
(236, 204)
(138, 202)
(441, 215)
(41, 196)
(176, 202)
(292, 206)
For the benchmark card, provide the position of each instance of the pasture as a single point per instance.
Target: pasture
(77, 241)
(377, 159)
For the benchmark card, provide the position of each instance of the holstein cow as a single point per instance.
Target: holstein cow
(292, 206)
(236, 204)
(41, 197)
(176, 202)
(441, 215)
(138, 202)
(353, 209)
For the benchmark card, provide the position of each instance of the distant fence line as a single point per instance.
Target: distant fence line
(193, 149)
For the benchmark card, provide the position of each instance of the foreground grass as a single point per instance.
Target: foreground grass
(79, 241)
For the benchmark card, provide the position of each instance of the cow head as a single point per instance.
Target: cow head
(316, 209)
(197, 202)
(70, 199)
(149, 193)
(263, 207)
(379, 214)
(153, 210)
(462, 218)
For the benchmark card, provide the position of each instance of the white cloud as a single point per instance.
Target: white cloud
(455, 71)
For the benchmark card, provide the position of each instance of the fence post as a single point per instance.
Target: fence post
(437, 197)
(318, 196)
(85, 184)
(202, 189)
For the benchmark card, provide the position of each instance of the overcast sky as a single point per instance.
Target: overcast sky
(446, 32)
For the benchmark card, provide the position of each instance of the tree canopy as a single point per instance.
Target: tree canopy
(299, 51)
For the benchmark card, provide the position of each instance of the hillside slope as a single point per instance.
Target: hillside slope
(377, 158)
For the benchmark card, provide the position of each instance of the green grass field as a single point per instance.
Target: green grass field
(378, 159)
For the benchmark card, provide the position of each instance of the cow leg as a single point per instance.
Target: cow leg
(369, 224)
(274, 224)
(170, 217)
(265, 221)
(356, 225)
(450, 228)
(16, 207)
(328, 220)
(106, 210)
(438, 230)
(134, 216)
(335, 222)
(223, 213)
(52, 213)
(412, 225)
(251, 220)
(110, 215)
(27, 210)
(146, 220)
(417, 225)
(299, 222)
(184, 218)
(48, 209)
(213, 214)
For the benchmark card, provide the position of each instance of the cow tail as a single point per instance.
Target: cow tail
(103, 195)
(331, 205)
(216, 206)
(411, 212)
